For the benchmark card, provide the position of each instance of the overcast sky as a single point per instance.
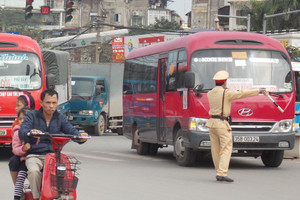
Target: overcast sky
(181, 7)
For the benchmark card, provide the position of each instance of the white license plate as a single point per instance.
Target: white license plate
(246, 139)
(2, 132)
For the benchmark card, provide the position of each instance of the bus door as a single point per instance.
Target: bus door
(161, 133)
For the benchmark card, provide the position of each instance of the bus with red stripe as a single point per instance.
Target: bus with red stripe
(165, 100)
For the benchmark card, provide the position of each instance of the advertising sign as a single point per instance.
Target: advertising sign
(118, 49)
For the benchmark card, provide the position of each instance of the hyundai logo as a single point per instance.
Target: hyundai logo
(245, 112)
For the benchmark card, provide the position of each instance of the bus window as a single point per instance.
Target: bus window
(141, 75)
(171, 71)
(177, 66)
(182, 68)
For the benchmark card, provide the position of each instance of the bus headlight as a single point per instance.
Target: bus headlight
(86, 112)
(198, 124)
(284, 126)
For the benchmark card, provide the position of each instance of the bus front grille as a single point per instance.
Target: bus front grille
(6, 121)
(252, 126)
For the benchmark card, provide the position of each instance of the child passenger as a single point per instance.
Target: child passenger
(25, 100)
(19, 150)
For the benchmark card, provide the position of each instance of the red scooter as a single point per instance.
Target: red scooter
(59, 180)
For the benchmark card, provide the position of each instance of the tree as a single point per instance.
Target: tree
(166, 24)
(159, 26)
(14, 20)
(257, 9)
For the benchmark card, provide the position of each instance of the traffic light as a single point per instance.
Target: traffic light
(68, 10)
(28, 9)
(45, 10)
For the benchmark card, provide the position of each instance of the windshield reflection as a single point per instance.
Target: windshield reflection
(246, 68)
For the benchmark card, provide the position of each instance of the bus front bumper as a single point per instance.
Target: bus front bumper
(244, 141)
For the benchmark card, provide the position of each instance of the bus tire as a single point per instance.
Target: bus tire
(272, 158)
(100, 127)
(184, 156)
(142, 148)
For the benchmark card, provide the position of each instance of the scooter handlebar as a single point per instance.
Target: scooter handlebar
(48, 135)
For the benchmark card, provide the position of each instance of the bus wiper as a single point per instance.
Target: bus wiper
(14, 88)
(276, 94)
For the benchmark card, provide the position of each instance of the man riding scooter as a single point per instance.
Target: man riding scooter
(46, 119)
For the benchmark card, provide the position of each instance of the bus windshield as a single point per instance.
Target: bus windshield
(20, 71)
(82, 88)
(246, 68)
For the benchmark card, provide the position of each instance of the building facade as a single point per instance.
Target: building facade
(204, 14)
(109, 12)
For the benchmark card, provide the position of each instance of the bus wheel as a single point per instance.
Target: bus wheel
(272, 158)
(142, 148)
(184, 156)
(100, 127)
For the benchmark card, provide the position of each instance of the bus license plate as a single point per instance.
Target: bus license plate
(246, 139)
(2, 132)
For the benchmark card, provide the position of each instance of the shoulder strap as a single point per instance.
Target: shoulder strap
(223, 103)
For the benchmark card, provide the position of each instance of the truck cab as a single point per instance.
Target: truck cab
(88, 105)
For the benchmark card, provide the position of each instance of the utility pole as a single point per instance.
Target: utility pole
(275, 15)
(98, 47)
(100, 18)
(239, 17)
(3, 17)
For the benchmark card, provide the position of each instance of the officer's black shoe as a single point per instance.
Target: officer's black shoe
(224, 178)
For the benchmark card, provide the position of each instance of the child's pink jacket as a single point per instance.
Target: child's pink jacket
(17, 144)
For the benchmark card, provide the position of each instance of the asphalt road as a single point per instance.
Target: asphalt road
(110, 170)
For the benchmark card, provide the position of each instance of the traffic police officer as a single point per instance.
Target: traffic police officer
(219, 129)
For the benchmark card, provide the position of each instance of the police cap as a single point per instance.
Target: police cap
(221, 76)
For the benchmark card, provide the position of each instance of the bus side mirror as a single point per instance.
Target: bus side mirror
(189, 79)
(50, 81)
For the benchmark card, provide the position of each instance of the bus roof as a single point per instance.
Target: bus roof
(18, 43)
(201, 40)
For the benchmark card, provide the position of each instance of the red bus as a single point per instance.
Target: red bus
(22, 70)
(165, 95)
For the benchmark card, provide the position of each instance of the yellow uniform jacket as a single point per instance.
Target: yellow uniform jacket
(215, 97)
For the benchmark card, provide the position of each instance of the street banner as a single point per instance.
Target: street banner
(118, 49)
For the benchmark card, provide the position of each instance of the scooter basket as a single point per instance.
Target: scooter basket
(63, 176)
(68, 185)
